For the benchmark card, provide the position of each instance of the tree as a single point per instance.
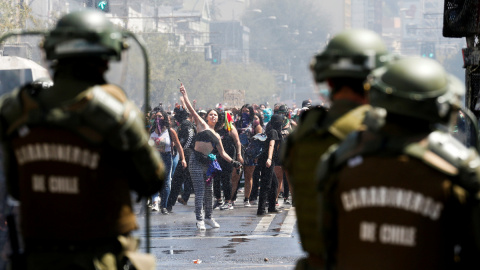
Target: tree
(205, 82)
(14, 15)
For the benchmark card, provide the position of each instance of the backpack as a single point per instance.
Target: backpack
(256, 146)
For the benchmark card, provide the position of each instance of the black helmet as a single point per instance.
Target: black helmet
(84, 33)
(415, 87)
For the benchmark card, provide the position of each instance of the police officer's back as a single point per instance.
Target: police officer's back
(403, 196)
(344, 65)
(73, 152)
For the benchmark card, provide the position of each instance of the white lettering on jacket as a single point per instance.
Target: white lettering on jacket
(58, 153)
(407, 200)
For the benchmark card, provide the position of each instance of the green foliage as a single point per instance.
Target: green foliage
(14, 16)
(204, 82)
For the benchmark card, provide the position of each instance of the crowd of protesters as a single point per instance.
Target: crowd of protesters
(207, 152)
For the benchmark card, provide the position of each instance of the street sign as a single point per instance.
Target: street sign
(103, 5)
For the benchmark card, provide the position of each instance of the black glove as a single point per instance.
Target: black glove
(236, 164)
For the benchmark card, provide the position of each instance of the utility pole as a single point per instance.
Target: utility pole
(125, 7)
(460, 19)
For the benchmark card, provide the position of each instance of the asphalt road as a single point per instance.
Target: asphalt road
(243, 241)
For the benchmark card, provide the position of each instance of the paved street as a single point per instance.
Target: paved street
(243, 241)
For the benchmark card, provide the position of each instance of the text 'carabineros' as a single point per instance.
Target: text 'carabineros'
(407, 200)
(57, 152)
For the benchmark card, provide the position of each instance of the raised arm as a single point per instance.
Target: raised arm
(196, 117)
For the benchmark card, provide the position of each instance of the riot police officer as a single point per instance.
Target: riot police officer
(403, 195)
(344, 65)
(74, 151)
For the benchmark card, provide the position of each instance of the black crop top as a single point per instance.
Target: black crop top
(207, 136)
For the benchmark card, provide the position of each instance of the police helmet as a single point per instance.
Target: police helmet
(84, 33)
(415, 87)
(352, 53)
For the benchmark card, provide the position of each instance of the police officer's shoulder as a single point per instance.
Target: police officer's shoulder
(349, 122)
(448, 155)
(111, 114)
(309, 120)
(314, 113)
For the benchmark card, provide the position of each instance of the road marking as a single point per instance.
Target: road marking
(264, 223)
(289, 222)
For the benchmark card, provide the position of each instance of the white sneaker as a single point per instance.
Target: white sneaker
(226, 206)
(201, 225)
(212, 223)
(247, 204)
(155, 207)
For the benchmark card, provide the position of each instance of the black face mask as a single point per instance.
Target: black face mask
(276, 122)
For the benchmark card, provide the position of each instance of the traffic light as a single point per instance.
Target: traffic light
(216, 55)
(428, 50)
(102, 5)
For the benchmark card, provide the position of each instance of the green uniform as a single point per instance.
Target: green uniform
(402, 201)
(316, 132)
(72, 155)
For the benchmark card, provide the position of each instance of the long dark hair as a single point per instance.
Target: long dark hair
(251, 113)
(221, 119)
(259, 115)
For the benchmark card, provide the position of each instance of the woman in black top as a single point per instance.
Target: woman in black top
(268, 186)
(233, 147)
(204, 163)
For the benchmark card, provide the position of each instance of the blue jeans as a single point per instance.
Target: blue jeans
(167, 160)
(175, 160)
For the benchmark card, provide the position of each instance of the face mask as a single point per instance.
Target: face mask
(160, 123)
(245, 120)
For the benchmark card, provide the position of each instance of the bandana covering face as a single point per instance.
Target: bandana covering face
(245, 119)
(160, 123)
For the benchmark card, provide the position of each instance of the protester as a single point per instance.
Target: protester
(266, 161)
(165, 139)
(181, 176)
(203, 164)
(231, 142)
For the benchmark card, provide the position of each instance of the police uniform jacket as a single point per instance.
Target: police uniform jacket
(72, 154)
(400, 200)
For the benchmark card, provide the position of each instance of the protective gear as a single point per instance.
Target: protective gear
(375, 162)
(352, 53)
(84, 33)
(300, 156)
(415, 87)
